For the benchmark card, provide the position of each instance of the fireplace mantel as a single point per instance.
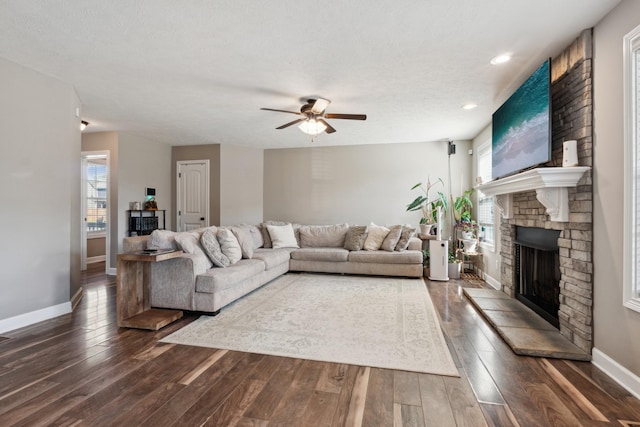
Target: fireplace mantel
(551, 186)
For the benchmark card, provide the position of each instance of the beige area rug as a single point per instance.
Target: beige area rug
(367, 321)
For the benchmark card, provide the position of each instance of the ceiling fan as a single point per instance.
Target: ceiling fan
(312, 120)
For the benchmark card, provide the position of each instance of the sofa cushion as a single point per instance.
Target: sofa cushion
(392, 238)
(355, 237)
(162, 239)
(243, 235)
(272, 257)
(229, 245)
(323, 236)
(256, 235)
(216, 279)
(265, 232)
(375, 237)
(211, 247)
(189, 243)
(282, 236)
(385, 257)
(407, 233)
(320, 254)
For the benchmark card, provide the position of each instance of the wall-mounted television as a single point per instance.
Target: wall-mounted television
(521, 127)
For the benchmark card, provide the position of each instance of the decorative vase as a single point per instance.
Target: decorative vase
(469, 245)
(454, 270)
(467, 235)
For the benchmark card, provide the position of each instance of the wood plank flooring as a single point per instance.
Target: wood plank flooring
(81, 369)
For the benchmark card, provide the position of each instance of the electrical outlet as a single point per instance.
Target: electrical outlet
(497, 264)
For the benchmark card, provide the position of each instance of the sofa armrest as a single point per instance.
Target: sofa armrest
(415, 244)
(134, 244)
(173, 282)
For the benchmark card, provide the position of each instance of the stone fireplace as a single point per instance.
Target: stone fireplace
(566, 210)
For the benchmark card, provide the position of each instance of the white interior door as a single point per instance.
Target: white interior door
(192, 194)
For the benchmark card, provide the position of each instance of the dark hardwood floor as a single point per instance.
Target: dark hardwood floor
(81, 369)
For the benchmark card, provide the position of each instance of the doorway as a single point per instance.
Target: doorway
(95, 202)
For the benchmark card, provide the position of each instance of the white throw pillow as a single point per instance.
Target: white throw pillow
(282, 236)
(229, 245)
(375, 237)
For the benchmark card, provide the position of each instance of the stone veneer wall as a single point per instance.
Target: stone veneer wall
(572, 112)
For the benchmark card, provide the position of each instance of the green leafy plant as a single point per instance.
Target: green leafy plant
(425, 204)
(425, 257)
(462, 207)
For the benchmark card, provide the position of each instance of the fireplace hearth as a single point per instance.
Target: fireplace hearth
(537, 271)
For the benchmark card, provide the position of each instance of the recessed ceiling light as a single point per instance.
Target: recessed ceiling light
(500, 59)
(469, 106)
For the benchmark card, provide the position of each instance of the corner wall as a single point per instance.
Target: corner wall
(616, 328)
(241, 189)
(40, 193)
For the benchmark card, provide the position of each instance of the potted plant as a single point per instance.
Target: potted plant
(462, 207)
(427, 205)
(469, 229)
(454, 266)
(425, 263)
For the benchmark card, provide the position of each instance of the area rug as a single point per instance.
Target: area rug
(368, 321)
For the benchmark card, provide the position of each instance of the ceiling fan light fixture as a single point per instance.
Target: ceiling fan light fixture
(312, 127)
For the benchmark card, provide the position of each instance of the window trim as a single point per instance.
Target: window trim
(483, 147)
(631, 83)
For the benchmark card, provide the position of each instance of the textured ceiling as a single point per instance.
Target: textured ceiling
(197, 72)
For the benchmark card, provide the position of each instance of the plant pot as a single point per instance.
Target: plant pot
(470, 246)
(468, 235)
(454, 270)
(425, 229)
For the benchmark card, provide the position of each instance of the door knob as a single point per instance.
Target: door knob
(202, 219)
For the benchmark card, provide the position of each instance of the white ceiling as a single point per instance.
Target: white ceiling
(197, 72)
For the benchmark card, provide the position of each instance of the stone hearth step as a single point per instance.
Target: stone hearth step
(522, 329)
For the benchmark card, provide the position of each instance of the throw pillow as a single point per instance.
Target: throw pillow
(265, 233)
(407, 233)
(211, 247)
(229, 245)
(392, 238)
(162, 239)
(356, 235)
(323, 236)
(244, 239)
(375, 236)
(189, 243)
(282, 236)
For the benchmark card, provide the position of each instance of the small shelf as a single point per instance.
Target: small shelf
(551, 186)
(143, 222)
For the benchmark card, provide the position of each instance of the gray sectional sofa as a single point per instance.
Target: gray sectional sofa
(191, 282)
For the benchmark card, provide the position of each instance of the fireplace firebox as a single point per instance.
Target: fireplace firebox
(537, 271)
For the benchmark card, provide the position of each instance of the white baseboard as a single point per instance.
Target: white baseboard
(491, 281)
(75, 299)
(26, 319)
(111, 271)
(620, 374)
(98, 258)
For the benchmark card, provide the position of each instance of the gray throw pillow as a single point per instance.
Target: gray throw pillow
(162, 239)
(392, 238)
(356, 235)
(189, 243)
(244, 239)
(211, 247)
(229, 245)
(407, 233)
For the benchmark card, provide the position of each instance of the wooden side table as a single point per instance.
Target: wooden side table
(134, 288)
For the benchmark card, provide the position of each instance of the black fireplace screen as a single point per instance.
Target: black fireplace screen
(537, 271)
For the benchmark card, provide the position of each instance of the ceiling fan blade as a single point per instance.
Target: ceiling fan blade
(329, 128)
(346, 116)
(291, 123)
(281, 111)
(320, 105)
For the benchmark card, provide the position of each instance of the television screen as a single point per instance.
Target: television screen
(521, 128)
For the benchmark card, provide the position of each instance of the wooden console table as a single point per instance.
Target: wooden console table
(133, 291)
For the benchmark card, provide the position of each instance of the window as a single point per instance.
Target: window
(631, 82)
(485, 203)
(96, 196)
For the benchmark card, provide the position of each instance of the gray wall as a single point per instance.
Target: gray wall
(96, 247)
(142, 163)
(40, 191)
(108, 141)
(357, 184)
(616, 328)
(209, 152)
(241, 175)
